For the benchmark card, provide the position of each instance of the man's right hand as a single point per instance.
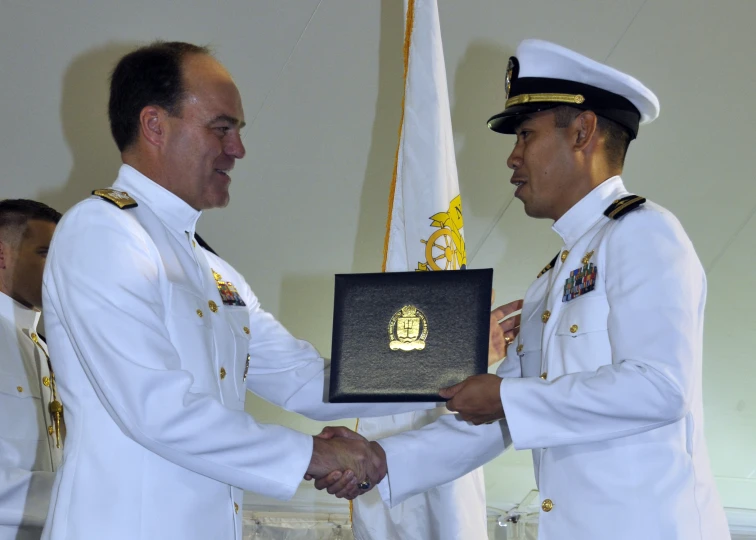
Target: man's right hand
(342, 460)
(344, 446)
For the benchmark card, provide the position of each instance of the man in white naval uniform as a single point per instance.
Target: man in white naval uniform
(30, 439)
(157, 340)
(606, 385)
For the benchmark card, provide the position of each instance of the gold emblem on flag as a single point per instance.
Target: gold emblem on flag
(408, 329)
(445, 248)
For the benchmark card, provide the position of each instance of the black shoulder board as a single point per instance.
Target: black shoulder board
(204, 244)
(119, 198)
(622, 206)
(548, 266)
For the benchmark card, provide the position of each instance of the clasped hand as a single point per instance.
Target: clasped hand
(345, 463)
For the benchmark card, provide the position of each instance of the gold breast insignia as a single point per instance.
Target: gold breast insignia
(408, 329)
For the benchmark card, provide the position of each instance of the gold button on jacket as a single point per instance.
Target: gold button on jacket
(547, 505)
(545, 316)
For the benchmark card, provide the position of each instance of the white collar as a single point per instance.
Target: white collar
(18, 315)
(168, 207)
(589, 210)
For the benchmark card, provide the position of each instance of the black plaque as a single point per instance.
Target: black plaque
(378, 323)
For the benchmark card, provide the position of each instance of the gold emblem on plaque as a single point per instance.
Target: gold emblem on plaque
(408, 329)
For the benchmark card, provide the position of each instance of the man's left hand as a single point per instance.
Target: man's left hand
(476, 399)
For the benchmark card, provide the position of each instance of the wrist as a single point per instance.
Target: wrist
(317, 467)
(379, 460)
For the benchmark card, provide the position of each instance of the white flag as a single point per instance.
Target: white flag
(424, 233)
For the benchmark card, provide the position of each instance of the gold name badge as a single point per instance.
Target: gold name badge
(408, 329)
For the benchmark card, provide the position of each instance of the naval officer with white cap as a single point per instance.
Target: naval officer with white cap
(605, 387)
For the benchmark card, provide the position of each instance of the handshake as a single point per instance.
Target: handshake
(345, 463)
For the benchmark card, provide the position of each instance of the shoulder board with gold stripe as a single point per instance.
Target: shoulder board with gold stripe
(548, 266)
(622, 206)
(119, 198)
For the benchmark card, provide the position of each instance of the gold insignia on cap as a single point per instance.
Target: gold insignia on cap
(408, 329)
(513, 67)
(119, 198)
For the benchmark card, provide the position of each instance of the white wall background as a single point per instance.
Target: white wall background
(321, 83)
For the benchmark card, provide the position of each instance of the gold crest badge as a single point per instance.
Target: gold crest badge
(408, 329)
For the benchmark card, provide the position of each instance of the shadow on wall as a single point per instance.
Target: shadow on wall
(371, 225)
(84, 117)
(481, 154)
(306, 308)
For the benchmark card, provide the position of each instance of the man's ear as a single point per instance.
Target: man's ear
(152, 124)
(586, 124)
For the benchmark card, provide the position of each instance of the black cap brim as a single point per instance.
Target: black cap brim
(506, 121)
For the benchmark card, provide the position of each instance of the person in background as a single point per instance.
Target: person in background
(31, 423)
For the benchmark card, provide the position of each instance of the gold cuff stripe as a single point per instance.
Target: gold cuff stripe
(623, 205)
(575, 99)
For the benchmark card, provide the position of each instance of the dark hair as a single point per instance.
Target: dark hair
(15, 213)
(616, 137)
(150, 75)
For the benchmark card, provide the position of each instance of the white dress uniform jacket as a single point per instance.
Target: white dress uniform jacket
(28, 454)
(153, 365)
(605, 388)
